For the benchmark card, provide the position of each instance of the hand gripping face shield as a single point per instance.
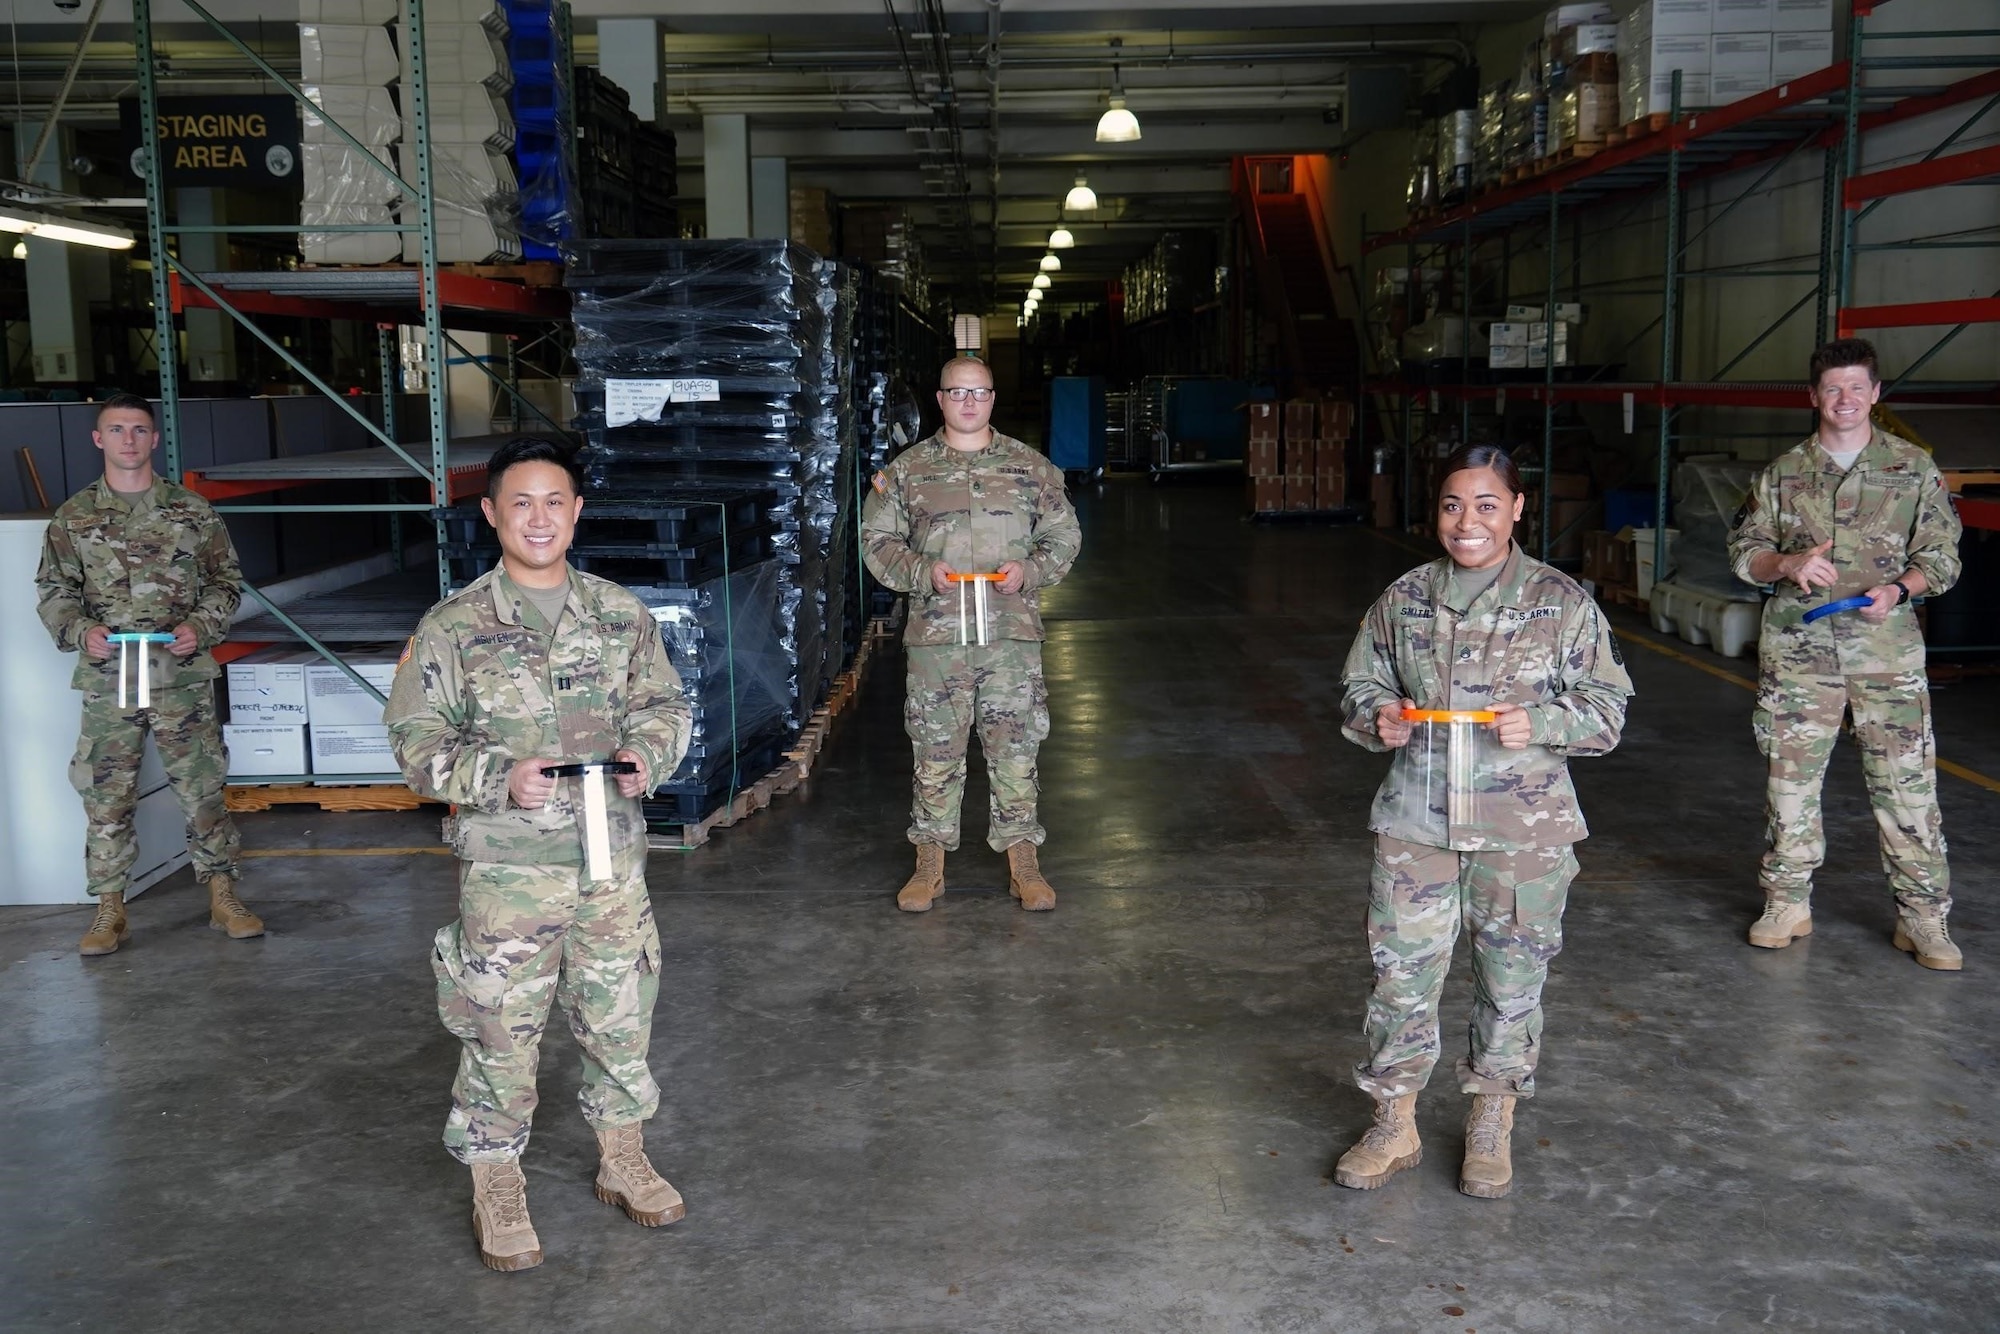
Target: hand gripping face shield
(596, 812)
(1450, 754)
(977, 627)
(125, 639)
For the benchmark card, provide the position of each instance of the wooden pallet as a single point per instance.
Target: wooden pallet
(798, 762)
(367, 797)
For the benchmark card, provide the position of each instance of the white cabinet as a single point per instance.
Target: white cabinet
(41, 817)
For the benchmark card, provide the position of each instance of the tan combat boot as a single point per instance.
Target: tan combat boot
(107, 929)
(625, 1178)
(926, 885)
(1386, 1148)
(507, 1240)
(1025, 880)
(227, 913)
(1782, 923)
(1489, 1160)
(1927, 937)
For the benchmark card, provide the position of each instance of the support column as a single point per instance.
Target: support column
(211, 335)
(770, 198)
(628, 54)
(726, 174)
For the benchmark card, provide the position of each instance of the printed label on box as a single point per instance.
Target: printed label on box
(628, 401)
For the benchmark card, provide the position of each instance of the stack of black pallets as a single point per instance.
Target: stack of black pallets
(738, 355)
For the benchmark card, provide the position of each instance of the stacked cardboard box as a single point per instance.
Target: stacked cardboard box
(1336, 426)
(812, 219)
(1656, 38)
(347, 68)
(1301, 431)
(1263, 458)
(292, 712)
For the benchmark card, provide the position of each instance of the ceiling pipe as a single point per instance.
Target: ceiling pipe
(806, 62)
(993, 140)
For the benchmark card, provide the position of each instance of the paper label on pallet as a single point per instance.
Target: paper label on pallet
(695, 391)
(1627, 400)
(627, 401)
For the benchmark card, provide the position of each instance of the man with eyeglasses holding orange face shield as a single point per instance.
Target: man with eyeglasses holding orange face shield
(972, 524)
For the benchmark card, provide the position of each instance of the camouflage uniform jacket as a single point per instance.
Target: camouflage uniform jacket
(483, 685)
(973, 512)
(153, 569)
(1532, 638)
(1887, 513)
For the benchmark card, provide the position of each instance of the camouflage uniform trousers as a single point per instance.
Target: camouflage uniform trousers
(1796, 723)
(105, 773)
(1001, 686)
(527, 935)
(1512, 903)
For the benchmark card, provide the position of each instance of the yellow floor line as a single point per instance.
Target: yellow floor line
(346, 852)
(1972, 776)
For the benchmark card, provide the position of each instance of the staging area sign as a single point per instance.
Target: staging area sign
(244, 142)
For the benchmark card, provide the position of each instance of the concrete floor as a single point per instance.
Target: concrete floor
(1120, 1116)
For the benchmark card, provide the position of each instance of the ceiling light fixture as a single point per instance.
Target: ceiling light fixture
(54, 227)
(1051, 263)
(1081, 198)
(1117, 126)
(20, 250)
(1042, 283)
(1060, 239)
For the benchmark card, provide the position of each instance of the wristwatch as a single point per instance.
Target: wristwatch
(1903, 591)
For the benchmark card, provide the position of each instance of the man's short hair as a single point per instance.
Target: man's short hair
(944, 376)
(1841, 353)
(131, 403)
(532, 449)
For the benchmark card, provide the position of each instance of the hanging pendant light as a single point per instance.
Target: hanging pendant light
(1060, 239)
(1051, 263)
(1042, 283)
(1117, 126)
(1081, 198)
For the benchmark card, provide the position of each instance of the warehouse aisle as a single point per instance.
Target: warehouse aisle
(1120, 1116)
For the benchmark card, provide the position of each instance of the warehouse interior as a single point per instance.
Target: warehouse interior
(1246, 274)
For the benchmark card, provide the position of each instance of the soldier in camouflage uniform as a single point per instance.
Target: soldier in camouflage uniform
(970, 500)
(135, 553)
(1852, 512)
(1487, 628)
(531, 666)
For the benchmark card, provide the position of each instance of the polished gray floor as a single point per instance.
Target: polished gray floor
(1120, 1116)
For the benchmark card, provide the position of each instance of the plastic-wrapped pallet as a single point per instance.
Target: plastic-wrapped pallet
(347, 65)
(721, 362)
(467, 77)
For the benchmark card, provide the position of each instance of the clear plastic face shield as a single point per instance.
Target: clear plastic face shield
(596, 809)
(973, 630)
(1450, 754)
(125, 640)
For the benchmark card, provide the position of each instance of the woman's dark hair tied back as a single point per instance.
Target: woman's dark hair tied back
(1467, 457)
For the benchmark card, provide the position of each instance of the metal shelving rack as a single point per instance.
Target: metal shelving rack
(387, 296)
(1828, 111)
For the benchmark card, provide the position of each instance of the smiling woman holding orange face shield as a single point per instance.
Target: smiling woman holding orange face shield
(1483, 672)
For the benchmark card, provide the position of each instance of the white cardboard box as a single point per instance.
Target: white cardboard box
(1743, 16)
(352, 750)
(1559, 17)
(268, 688)
(1682, 17)
(1507, 335)
(1739, 54)
(1657, 97)
(1506, 358)
(1659, 53)
(1802, 16)
(1797, 53)
(1727, 88)
(261, 751)
(332, 700)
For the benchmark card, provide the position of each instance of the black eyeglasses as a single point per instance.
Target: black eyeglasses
(976, 395)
